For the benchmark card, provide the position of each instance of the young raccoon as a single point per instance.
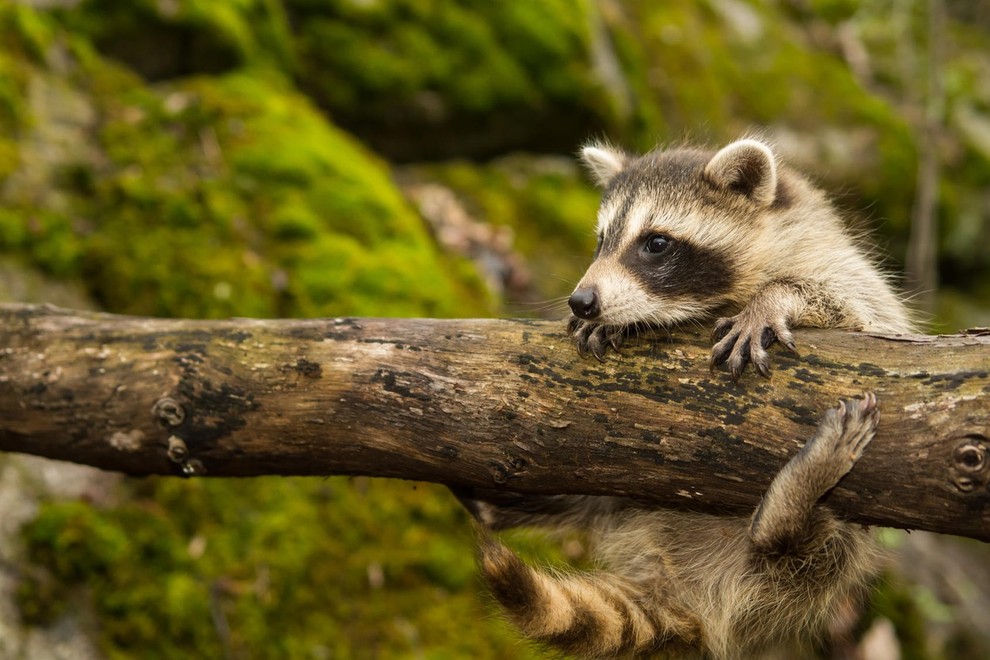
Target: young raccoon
(683, 236)
(686, 234)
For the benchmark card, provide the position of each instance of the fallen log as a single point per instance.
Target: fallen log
(498, 406)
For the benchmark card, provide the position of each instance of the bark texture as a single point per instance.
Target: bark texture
(497, 406)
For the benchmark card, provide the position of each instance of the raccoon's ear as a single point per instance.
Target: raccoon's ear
(747, 167)
(604, 162)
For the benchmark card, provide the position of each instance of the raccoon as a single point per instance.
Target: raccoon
(685, 236)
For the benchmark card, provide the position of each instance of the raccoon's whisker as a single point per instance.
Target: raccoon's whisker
(539, 306)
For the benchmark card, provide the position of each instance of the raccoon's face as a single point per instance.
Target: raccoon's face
(669, 230)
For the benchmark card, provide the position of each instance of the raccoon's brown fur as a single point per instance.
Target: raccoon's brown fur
(684, 236)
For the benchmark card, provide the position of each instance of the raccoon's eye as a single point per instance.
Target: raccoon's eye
(598, 247)
(656, 243)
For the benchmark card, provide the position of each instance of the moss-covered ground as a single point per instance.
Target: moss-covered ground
(268, 568)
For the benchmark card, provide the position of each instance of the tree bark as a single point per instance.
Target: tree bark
(498, 406)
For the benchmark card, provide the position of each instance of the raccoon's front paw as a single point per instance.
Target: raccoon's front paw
(745, 338)
(595, 338)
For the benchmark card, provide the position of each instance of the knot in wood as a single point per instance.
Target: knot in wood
(178, 452)
(500, 474)
(971, 469)
(177, 449)
(169, 411)
(193, 467)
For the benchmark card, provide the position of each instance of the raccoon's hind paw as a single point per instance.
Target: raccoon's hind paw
(782, 522)
(843, 434)
(745, 338)
(595, 338)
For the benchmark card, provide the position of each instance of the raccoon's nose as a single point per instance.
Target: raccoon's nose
(584, 303)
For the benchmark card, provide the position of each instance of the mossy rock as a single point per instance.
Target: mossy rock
(424, 80)
(412, 79)
(162, 41)
(228, 195)
(300, 199)
(271, 567)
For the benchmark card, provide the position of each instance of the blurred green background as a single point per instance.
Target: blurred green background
(299, 158)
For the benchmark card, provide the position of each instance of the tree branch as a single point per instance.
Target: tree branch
(496, 406)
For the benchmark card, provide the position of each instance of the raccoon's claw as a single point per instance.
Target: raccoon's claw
(745, 338)
(595, 338)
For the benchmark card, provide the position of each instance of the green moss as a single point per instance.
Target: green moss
(234, 196)
(24, 31)
(163, 40)
(435, 77)
(302, 178)
(389, 56)
(111, 556)
(25, 37)
(382, 67)
(289, 566)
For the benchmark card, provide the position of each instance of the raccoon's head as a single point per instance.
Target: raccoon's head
(675, 231)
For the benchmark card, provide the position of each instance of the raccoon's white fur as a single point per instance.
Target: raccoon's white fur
(687, 235)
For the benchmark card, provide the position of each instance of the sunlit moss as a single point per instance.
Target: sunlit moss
(272, 566)
(237, 188)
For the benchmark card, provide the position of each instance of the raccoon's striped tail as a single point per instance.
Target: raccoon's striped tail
(583, 614)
